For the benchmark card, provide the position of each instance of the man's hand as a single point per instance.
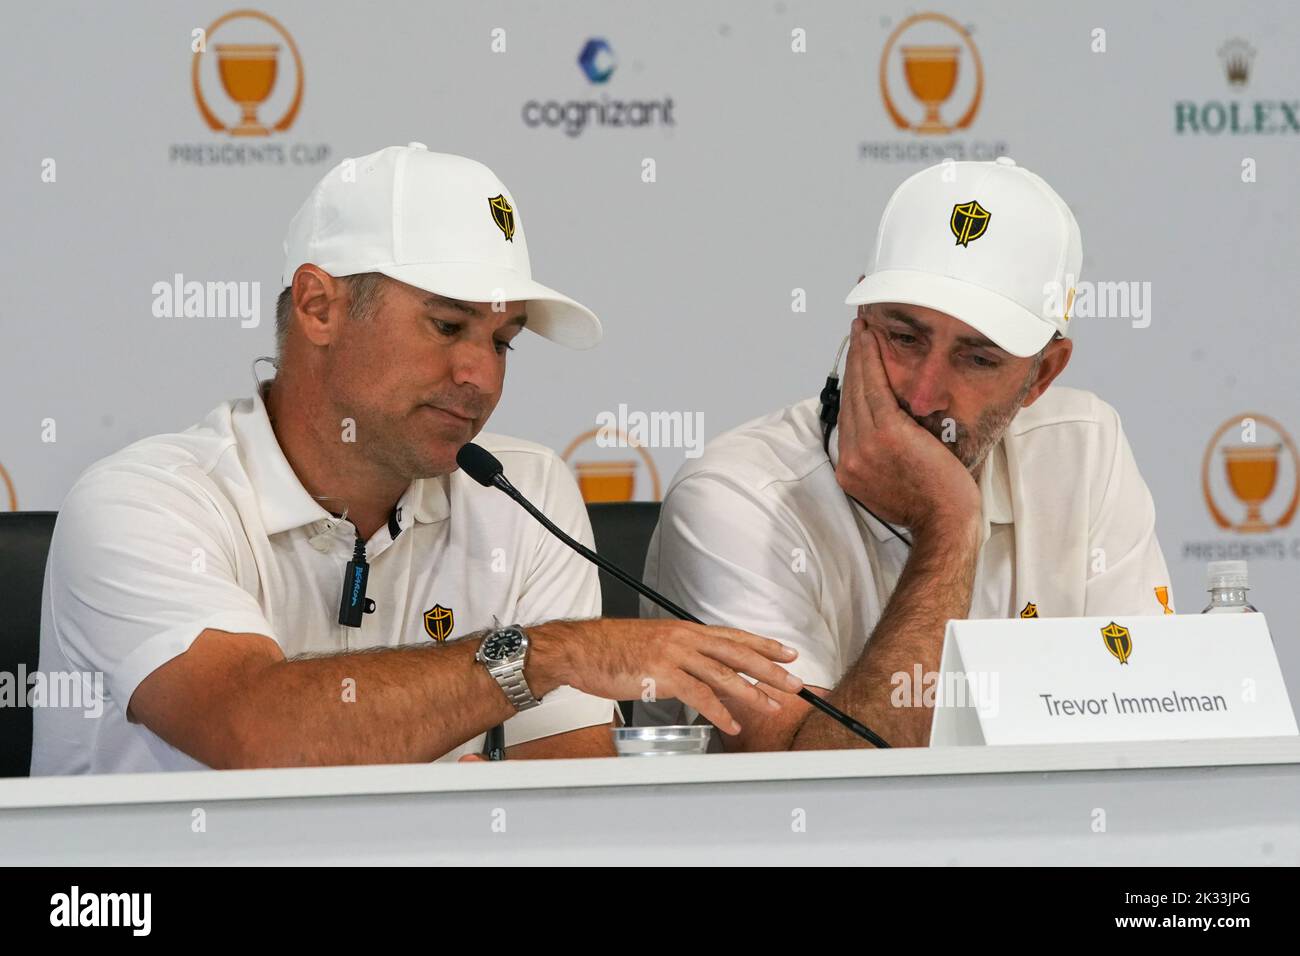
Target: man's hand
(613, 658)
(886, 460)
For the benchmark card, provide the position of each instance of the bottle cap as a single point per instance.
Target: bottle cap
(1226, 574)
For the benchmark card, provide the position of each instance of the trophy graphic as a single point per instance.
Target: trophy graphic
(611, 480)
(606, 480)
(1252, 476)
(931, 73)
(930, 70)
(247, 73)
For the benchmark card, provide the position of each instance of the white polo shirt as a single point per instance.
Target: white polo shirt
(210, 528)
(757, 534)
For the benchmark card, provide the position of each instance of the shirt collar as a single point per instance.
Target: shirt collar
(282, 500)
(430, 499)
(994, 485)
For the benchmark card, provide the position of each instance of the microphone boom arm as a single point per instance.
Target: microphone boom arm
(827, 708)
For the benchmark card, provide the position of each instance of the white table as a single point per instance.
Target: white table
(1194, 802)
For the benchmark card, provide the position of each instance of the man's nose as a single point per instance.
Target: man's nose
(477, 365)
(926, 389)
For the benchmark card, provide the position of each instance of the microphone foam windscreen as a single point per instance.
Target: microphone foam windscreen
(479, 463)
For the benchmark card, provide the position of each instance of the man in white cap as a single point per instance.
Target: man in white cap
(947, 479)
(306, 578)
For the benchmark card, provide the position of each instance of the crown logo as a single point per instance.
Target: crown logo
(1237, 56)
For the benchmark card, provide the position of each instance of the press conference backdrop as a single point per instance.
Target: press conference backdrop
(706, 176)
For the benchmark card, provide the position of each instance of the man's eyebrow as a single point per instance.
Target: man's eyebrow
(973, 341)
(916, 325)
(434, 300)
(979, 342)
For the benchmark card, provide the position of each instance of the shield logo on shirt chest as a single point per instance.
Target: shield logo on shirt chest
(438, 622)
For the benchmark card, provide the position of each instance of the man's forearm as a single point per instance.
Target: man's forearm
(390, 705)
(935, 586)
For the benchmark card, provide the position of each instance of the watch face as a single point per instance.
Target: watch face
(502, 645)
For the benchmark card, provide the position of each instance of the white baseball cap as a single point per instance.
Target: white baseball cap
(989, 243)
(442, 223)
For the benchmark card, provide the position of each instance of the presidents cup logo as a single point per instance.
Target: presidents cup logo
(248, 72)
(1118, 641)
(931, 80)
(503, 214)
(1251, 458)
(1249, 482)
(968, 222)
(605, 478)
(247, 78)
(439, 622)
(931, 56)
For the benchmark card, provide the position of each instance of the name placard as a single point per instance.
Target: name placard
(1074, 680)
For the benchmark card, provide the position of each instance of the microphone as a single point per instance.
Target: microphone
(485, 468)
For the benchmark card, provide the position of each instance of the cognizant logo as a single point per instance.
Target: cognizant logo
(597, 60)
(574, 116)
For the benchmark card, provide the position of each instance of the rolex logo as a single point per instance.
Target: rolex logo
(1237, 56)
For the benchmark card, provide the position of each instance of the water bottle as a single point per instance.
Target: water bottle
(1228, 584)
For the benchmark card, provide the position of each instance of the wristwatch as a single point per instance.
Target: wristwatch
(504, 653)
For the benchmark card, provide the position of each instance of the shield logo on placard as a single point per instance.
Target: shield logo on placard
(1118, 641)
(438, 622)
(969, 221)
(503, 214)
(1030, 610)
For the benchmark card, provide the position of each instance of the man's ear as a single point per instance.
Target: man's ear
(1055, 357)
(314, 292)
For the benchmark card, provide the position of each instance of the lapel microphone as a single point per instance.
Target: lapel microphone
(353, 602)
(485, 468)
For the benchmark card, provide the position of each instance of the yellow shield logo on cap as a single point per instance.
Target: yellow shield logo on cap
(1118, 641)
(438, 622)
(969, 221)
(503, 214)
(1030, 610)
